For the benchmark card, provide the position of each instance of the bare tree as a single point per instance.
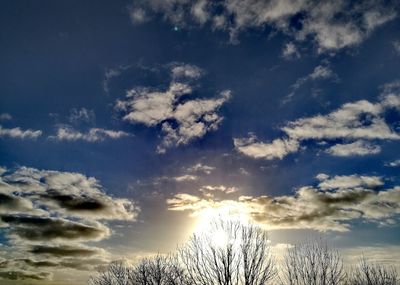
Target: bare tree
(159, 270)
(312, 263)
(373, 274)
(115, 274)
(228, 253)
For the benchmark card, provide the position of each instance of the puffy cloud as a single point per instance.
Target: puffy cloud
(67, 133)
(180, 120)
(47, 216)
(330, 206)
(278, 148)
(18, 133)
(356, 123)
(332, 25)
(357, 148)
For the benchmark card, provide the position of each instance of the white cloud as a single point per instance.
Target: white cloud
(357, 148)
(181, 121)
(67, 133)
(357, 123)
(278, 148)
(330, 206)
(332, 25)
(19, 133)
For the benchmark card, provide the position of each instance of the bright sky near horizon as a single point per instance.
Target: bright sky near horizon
(124, 125)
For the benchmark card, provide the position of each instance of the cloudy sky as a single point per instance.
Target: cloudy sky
(124, 125)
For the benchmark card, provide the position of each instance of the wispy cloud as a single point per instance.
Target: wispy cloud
(19, 133)
(68, 133)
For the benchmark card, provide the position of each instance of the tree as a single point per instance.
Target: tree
(312, 263)
(228, 253)
(116, 273)
(158, 270)
(367, 273)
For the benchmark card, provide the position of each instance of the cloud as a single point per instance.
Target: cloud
(113, 72)
(331, 25)
(357, 148)
(320, 72)
(68, 133)
(24, 275)
(179, 71)
(5, 117)
(396, 46)
(290, 51)
(394, 163)
(18, 133)
(181, 121)
(330, 206)
(199, 167)
(64, 250)
(81, 115)
(47, 229)
(356, 123)
(47, 216)
(278, 148)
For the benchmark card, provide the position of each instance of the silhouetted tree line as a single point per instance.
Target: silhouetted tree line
(241, 255)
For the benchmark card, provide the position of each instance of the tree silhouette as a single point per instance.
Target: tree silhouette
(312, 263)
(242, 257)
(367, 273)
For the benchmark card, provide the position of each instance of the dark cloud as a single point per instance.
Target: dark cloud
(64, 250)
(23, 275)
(39, 229)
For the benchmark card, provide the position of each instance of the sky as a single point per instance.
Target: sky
(124, 125)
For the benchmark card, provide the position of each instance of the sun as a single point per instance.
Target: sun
(223, 212)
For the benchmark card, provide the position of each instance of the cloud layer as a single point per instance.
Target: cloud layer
(47, 216)
(332, 205)
(356, 124)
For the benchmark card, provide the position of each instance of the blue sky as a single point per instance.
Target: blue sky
(155, 112)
